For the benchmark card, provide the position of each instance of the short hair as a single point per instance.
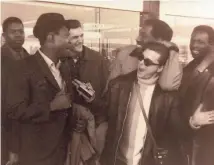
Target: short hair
(73, 24)
(160, 29)
(159, 48)
(206, 29)
(7, 22)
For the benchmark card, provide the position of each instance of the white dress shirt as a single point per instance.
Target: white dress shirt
(54, 70)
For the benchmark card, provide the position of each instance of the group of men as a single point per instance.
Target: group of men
(146, 111)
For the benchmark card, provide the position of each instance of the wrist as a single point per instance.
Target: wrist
(51, 106)
(193, 124)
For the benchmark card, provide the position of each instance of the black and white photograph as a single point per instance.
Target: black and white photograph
(107, 82)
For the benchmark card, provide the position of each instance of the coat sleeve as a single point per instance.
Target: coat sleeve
(20, 105)
(98, 105)
(179, 126)
(208, 95)
(171, 76)
(10, 128)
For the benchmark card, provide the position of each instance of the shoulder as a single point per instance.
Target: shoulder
(169, 96)
(5, 52)
(123, 79)
(4, 49)
(92, 54)
(29, 60)
(123, 51)
(26, 52)
(27, 64)
(211, 69)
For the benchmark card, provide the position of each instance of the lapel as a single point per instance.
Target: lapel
(66, 73)
(156, 105)
(46, 71)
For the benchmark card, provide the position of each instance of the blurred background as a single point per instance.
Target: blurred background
(110, 24)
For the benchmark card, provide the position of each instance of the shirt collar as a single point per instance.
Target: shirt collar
(49, 62)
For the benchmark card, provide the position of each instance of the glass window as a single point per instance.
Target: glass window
(120, 27)
(29, 12)
(104, 29)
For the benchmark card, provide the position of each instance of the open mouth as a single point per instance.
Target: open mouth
(195, 51)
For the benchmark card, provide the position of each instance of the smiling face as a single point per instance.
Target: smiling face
(76, 39)
(59, 40)
(199, 44)
(149, 66)
(14, 35)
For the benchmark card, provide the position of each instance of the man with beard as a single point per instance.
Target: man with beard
(40, 101)
(11, 52)
(196, 93)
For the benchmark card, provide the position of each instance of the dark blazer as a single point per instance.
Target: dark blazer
(161, 119)
(43, 133)
(8, 69)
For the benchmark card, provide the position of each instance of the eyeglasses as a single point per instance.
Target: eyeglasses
(147, 61)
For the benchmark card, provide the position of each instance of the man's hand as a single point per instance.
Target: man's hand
(93, 97)
(170, 45)
(202, 118)
(79, 125)
(60, 101)
(89, 87)
(13, 159)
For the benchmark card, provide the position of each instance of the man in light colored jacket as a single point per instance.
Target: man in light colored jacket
(153, 30)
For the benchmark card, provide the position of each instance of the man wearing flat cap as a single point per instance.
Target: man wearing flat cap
(42, 99)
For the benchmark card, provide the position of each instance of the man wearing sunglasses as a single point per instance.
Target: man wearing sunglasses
(152, 30)
(128, 141)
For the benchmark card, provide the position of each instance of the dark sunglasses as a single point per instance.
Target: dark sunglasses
(147, 61)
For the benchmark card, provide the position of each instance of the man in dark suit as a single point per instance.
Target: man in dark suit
(196, 91)
(11, 52)
(42, 98)
(128, 141)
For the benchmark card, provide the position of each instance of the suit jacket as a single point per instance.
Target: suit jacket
(161, 118)
(43, 133)
(8, 69)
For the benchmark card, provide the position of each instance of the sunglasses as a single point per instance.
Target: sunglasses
(147, 61)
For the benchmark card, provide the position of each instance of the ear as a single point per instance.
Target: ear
(50, 37)
(3, 34)
(160, 69)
